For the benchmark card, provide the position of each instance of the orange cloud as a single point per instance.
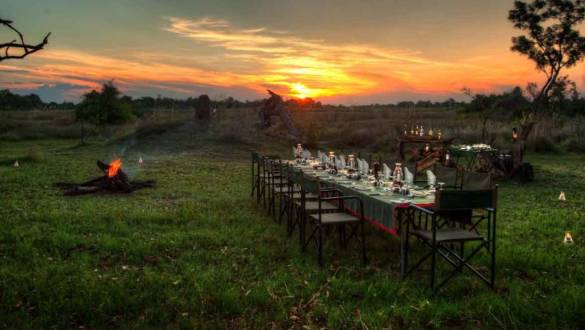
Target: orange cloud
(257, 58)
(327, 70)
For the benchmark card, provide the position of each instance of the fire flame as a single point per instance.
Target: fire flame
(114, 168)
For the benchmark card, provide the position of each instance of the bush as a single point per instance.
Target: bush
(575, 145)
(543, 145)
(35, 154)
(105, 107)
(360, 138)
(312, 136)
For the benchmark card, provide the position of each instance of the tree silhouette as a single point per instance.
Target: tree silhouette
(552, 40)
(105, 107)
(18, 48)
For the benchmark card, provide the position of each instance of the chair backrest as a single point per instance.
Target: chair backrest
(466, 199)
(448, 175)
(476, 181)
(285, 172)
(310, 184)
(273, 165)
(295, 176)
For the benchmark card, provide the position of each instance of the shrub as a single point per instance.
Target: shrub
(359, 138)
(575, 145)
(105, 107)
(312, 136)
(543, 145)
(35, 154)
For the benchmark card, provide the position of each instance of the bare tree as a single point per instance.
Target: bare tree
(18, 48)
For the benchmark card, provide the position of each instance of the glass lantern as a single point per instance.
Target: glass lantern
(397, 174)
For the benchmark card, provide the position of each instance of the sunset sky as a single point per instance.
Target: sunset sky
(337, 51)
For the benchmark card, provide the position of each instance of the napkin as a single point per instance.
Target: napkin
(306, 154)
(431, 178)
(408, 177)
(359, 165)
(322, 157)
(342, 159)
(387, 172)
(294, 152)
(365, 166)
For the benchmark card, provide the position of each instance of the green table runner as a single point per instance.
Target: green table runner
(378, 204)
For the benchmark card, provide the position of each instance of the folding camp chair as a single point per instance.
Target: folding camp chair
(292, 202)
(476, 181)
(451, 177)
(256, 172)
(452, 221)
(322, 213)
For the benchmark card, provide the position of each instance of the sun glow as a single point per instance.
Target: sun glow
(247, 60)
(301, 91)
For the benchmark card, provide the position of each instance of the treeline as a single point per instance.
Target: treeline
(564, 99)
(11, 101)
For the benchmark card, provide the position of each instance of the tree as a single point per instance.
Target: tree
(496, 106)
(105, 107)
(22, 49)
(551, 41)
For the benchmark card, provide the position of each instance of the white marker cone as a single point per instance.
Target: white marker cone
(562, 197)
(140, 161)
(568, 238)
(16, 164)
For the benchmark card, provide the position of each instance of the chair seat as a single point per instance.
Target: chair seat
(285, 190)
(337, 217)
(448, 235)
(268, 175)
(308, 196)
(313, 206)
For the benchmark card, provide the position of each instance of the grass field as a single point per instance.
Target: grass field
(197, 252)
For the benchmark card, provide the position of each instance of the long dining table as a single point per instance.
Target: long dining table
(383, 208)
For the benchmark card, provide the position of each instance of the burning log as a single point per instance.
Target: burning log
(114, 180)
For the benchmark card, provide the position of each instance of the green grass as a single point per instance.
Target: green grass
(197, 252)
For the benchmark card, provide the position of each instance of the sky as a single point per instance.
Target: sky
(336, 51)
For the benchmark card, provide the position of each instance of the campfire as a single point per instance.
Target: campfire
(114, 180)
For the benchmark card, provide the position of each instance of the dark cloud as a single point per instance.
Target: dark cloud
(54, 93)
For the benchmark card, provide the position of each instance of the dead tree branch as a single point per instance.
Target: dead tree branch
(22, 49)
